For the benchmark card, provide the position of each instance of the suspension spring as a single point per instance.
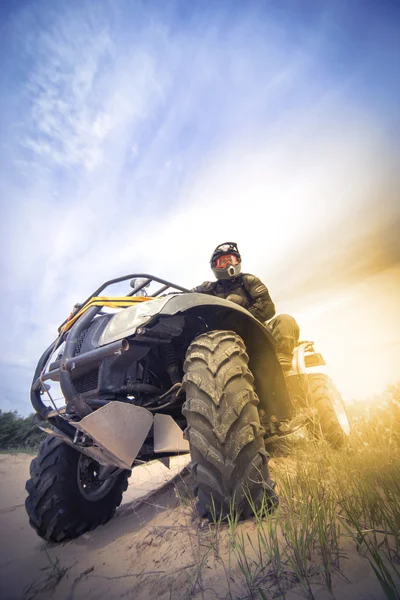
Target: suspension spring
(170, 362)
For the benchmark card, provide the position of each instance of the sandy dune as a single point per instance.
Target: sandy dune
(153, 548)
(23, 553)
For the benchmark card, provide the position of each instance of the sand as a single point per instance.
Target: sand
(152, 548)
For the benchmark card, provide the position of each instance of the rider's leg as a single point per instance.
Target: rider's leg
(286, 331)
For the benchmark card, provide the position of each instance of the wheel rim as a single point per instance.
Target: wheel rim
(90, 486)
(340, 412)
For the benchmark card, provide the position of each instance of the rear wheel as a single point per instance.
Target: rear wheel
(331, 421)
(65, 495)
(229, 460)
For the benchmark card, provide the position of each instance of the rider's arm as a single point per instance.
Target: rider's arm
(263, 308)
(204, 288)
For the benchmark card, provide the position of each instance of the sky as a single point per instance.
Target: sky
(136, 136)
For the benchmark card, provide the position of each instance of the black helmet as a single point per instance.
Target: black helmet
(225, 261)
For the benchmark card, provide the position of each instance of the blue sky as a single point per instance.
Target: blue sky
(135, 136)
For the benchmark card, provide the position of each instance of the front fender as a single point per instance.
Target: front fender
(261, 347)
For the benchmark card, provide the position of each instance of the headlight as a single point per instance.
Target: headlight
(126, 322)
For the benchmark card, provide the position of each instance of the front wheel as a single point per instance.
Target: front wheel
(65, 496)
(229, 460)
(330, 421)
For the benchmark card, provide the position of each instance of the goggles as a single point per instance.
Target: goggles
(226, 259)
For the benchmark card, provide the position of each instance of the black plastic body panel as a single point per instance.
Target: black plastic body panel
(92, 334)
(109, 375)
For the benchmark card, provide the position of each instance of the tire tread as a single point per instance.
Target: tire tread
(56, 509)
(224, 431)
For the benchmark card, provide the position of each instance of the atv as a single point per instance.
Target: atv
(149, 377)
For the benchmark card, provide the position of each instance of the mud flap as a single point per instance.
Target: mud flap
(168, 436)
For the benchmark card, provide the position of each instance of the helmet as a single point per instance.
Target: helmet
(225, 261)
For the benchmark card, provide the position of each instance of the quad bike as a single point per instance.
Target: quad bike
(162, 375)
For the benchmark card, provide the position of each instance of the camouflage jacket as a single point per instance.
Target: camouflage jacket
(246, 290)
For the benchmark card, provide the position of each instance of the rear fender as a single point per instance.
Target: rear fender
(305, 362)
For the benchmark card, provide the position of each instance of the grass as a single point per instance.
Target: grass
(47, 580)
(330, 500)
(329, 495)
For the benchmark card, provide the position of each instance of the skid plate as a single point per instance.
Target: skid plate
(119, 429)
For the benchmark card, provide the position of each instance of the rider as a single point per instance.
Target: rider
(248, 291)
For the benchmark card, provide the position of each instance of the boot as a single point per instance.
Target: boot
(285, 360)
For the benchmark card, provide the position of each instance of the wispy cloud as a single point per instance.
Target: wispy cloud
(145, 137)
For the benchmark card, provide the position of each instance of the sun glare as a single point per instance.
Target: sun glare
(358, 333)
